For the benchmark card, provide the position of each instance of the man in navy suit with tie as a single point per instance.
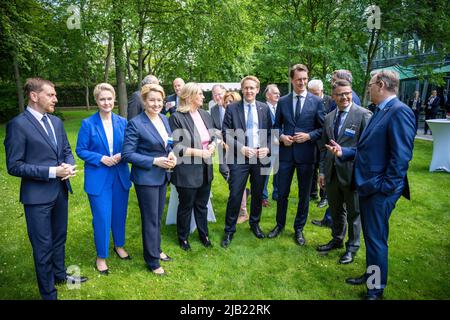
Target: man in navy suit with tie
(37, 150)
(246, 129)
(299, 117)
(381, 160)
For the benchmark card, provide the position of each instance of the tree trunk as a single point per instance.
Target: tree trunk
(128, 64)
(19, 87)
(120, 65)
(373, 48)
(108, 57)
(86, 86)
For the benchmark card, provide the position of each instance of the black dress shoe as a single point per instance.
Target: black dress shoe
(357, 281)
(299, 238)
(206, 242)
(184, 244)
(333, 244)
(321, 223)
(257, 231)
(128, 257)
(275, 232)
(347, 257)
(71, 280)
(378, 296)
(226, 240)
(165, 259)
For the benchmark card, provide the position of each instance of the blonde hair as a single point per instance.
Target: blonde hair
(233, 94)
(189, 90)
(103, 87)
(252, 78)
(146, 89)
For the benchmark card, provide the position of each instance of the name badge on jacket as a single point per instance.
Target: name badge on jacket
(349, 132)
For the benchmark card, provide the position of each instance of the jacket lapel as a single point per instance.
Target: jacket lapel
(116, 134)
(101, 131)
(378, 118)
(148, 125)
(241, 114)
(41, 130)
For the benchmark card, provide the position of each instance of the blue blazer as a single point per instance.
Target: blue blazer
(309, 121)
(29, 154)
(142, 144)
(384, 150)
(92, 145)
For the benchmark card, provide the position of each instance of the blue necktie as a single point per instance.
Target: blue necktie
(49, 130)
(249, 126)
(298, 106)
(337, 123)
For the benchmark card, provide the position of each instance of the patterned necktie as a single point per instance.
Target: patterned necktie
(337, 123)
(49, 130)
(249, 126)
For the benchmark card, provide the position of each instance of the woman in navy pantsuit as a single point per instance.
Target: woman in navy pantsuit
(106, 176)
(146, 147)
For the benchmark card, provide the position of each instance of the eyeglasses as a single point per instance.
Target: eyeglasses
(341, 95)
(370, 84)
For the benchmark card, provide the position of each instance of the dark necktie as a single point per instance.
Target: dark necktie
(249, 126)
(298, 106)
(337, 123)
(49, 130)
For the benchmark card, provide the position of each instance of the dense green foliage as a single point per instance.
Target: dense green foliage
(419, 260)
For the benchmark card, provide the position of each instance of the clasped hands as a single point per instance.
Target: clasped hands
(298, 137)
(168, 162)
(66, 171)
(111, 161)
(252, 152)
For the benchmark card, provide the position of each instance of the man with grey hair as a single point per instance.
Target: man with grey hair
(135, 103)
(315, 86)
(272, 94)
(381, 160)
(217, 113)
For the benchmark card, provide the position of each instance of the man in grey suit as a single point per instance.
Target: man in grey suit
(217, 114)
(135, 104)
(344, 124)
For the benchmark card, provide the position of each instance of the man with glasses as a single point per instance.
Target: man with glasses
(381, 160)
(343, 125)
(299, 118)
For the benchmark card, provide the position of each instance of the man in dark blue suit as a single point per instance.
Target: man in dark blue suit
(37, 150)
(246, 129)
(173, 100)
(431, 109)
(135, 103)
(299, 117)
(381, 161)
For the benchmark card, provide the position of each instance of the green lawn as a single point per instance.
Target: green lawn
(419, 256)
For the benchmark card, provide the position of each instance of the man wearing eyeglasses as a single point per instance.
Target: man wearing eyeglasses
(381, 160)
(299, 117)
(343, 125)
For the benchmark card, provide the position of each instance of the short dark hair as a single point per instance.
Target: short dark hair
(35, 85)
(341, 83)
(297, 67)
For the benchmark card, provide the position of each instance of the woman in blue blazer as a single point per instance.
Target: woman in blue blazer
(146, 146)
(106, 176)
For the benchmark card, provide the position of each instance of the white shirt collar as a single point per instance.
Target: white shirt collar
(35, 113)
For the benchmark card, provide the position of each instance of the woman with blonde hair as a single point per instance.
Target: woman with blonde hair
(146, 146)
(194, 146)
(106, 175)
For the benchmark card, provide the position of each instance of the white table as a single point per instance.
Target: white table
(441, 144)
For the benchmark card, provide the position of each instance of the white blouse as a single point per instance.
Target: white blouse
(159, 125)
(107, 125)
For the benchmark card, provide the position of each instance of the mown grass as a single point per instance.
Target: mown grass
(275, 269)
